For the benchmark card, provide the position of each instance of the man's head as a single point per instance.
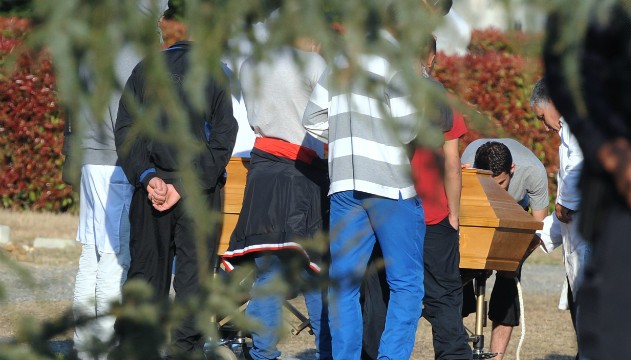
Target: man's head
(427, 56)
(496, 157)
(544, 108)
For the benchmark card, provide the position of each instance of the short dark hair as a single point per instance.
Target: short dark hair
(175, 9)
(539, 93)
(493, 156)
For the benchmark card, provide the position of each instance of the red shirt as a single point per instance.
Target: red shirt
(428, 175)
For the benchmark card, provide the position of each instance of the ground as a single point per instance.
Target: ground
(48, 294)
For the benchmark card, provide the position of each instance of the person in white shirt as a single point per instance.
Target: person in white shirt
(564, 220)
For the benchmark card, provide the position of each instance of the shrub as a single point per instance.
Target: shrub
(498, 84)
(13, 28)
(510, 42)
(31, 129)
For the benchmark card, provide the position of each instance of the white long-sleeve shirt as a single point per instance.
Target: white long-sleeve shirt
(570, 165)
(575, 249)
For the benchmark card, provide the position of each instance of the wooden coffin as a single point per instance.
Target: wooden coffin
(495, 232)
(232, 198)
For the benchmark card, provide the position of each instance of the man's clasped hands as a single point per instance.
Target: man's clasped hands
(163, 196)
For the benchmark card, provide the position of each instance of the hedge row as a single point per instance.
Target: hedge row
(494, 79)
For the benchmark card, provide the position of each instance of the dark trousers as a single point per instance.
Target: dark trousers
(156, 237)
(443, 292)
(604, 298)
(504, 300)
(573, 308)
(571, 303)
(442, 302)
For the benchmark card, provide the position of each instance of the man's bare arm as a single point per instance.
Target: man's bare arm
(453, 180)
(539, 215)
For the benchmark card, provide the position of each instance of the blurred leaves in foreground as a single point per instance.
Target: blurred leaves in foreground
(77, 32)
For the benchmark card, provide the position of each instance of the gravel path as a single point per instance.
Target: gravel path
(543, 279)
(49, 283)
(57, 283)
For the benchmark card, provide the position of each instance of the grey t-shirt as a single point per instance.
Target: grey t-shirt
(529, 183)
(276, 92)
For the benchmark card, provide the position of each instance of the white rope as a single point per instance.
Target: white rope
(522, 317)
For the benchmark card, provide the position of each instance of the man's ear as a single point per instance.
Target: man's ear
(512, 169)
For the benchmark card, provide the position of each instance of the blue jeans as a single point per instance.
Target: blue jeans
(266, 307)
(357, 221)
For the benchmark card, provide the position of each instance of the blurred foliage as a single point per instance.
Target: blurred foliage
(509, 42)
(493, 82)
(12, 28)
(21, 8)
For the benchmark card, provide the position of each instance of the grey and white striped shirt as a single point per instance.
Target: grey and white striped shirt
(367, 128)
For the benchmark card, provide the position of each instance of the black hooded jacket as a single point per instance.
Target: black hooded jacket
(215, 128)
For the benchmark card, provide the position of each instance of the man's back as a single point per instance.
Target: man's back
(529, 183)
(163, 226)
(214, 126)
(276, 93)
(366, 151)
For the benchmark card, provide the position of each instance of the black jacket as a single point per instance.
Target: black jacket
(215, 128)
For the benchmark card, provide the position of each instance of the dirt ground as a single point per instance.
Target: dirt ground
(549, 334)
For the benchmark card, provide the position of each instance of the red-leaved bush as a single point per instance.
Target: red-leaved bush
(509, 42)
(31, 129)
(13, 27)
(498, 84)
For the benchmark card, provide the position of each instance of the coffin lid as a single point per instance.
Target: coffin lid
(484, 203)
